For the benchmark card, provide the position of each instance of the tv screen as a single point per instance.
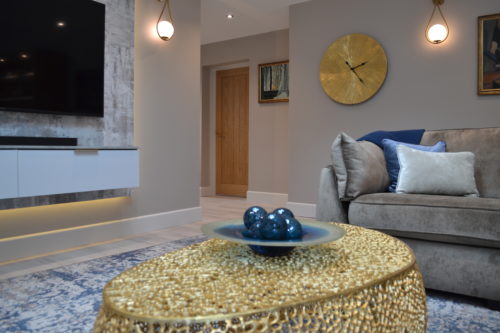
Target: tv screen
(52, 56)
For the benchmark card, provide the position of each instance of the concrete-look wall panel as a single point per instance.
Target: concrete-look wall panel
(268, 132)
(427, 86)
(116, 127)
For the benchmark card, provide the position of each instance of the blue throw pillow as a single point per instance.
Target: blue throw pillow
(409, 136)
(391, 157)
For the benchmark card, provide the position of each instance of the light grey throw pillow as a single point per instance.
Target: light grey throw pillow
(359, 167)
(425, 172)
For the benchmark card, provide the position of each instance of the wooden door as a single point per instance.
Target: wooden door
(232, 132)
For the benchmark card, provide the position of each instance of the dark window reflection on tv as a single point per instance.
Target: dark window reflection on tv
(52, 56)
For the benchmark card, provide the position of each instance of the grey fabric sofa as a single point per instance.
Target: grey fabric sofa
(456, 240)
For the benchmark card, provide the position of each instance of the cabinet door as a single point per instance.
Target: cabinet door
(8, 174)
(43, 172)
(106, 169)
(118, 169)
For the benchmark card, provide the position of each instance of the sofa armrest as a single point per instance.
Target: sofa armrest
(329, 207)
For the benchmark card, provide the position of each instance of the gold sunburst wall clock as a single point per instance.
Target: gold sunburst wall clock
(353, 69)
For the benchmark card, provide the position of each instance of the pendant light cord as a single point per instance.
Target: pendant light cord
(166, 5)
(432, 15)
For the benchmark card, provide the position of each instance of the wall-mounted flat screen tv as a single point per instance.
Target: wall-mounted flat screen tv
(52, 56)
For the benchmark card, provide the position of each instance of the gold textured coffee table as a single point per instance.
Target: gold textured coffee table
(364, 282)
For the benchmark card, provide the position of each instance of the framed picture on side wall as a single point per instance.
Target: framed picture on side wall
(273, 82)
(488, 55)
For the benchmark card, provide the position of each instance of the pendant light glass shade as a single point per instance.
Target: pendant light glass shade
(165, 26)
(437, 28)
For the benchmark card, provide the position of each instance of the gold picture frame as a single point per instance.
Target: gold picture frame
(488, 68)
(273, 82)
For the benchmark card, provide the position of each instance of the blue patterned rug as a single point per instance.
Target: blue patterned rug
(67, 299)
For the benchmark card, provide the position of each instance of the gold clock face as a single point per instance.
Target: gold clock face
(353, 69)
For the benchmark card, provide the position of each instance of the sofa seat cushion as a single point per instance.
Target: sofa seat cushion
(449, 219)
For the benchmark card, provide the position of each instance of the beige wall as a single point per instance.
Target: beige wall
(268, 142)
(427, 86)
(167, 109)
(205, 127)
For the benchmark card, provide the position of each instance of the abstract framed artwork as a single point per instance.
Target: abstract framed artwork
(488, 55)
(273, 82)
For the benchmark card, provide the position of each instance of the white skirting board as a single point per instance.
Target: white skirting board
(302, 209)
(277, 199)
(30, 245)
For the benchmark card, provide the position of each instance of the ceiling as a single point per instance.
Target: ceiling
(251, 17)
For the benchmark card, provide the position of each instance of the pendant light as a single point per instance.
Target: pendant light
(165, 26)
(438, 31)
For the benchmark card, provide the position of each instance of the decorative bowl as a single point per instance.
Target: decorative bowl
(314, 233)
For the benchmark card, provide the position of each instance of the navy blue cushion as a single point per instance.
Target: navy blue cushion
(391, 157)
(409, 136)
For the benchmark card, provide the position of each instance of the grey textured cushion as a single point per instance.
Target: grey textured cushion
(484, 143)
(339, 165)
(359, 167)
(436, 173)
(459, 220)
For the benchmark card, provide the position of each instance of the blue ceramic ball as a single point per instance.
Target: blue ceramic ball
(285, 212)
(252, 215)
(293, 229)
(253, 231)
(273, 227)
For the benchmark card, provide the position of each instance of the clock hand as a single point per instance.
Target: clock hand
(361, 64)
(360, 79)
(353, 70)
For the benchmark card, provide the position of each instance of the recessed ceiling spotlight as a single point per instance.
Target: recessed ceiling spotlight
(229, 16)
(61, 24)
(24, 55)
(2, 59)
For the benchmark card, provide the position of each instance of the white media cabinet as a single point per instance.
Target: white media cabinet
(28, 171)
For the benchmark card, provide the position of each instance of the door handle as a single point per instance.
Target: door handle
(217, 134)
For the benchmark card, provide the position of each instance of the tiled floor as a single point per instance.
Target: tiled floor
(213, 209)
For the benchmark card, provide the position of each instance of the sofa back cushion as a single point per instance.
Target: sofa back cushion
(484, 143)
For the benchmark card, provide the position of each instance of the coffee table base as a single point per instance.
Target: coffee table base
(394, 305)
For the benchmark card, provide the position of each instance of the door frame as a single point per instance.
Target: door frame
(213, 115)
